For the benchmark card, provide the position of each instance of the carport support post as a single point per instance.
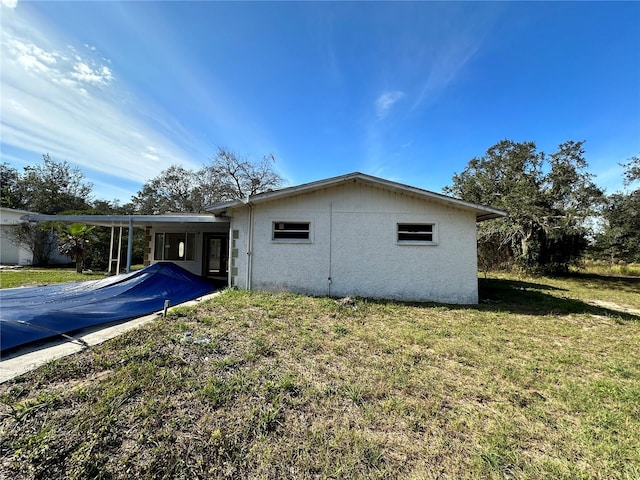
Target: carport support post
(130, 244)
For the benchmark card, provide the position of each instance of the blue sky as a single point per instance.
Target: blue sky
(406, 91)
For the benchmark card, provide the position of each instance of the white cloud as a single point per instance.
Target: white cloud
(30, 56)
(56, 65)
(385, 101)
(71, 105)
(84, 73)
(9, 3)
(151, 153)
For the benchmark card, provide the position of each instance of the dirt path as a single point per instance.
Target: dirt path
(614, 306)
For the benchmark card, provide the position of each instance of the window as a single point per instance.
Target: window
(416, 233)
(291, 231)
(175, 246)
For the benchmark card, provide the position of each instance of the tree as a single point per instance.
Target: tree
(37, 238)
(171, 191)
(49, 187)
(75, 241)
(238, 177)
(631, 170)
(97, 258)
(52, 187)
(227, 177)
(619, 239)
(547, 200)
(9, 177)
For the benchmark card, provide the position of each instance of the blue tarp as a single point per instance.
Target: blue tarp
(36, 313)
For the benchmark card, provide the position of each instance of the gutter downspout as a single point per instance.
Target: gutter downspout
(330, 280)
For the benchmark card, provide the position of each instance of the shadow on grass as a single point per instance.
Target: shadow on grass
(531, 298)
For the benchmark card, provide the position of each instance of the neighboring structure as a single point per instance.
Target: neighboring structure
(355, 235)
(12, 253)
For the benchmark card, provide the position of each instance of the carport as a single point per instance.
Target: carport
(119, 223)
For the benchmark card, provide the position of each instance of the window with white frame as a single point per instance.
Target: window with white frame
(291, 231)
(175, 246)
(417, 233)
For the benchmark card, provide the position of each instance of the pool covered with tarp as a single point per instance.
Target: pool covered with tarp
(29, 314)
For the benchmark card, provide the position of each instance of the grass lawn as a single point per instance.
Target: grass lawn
(605, 268)
(28, 276)
(541, 381)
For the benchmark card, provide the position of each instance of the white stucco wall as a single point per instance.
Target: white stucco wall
(353, 242)
(10, 253)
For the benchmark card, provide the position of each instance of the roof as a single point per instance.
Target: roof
(12, 216)
(482, 212)
(14, 210)
(123, 220)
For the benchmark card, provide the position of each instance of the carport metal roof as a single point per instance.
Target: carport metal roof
(121, 221)
(124, 220)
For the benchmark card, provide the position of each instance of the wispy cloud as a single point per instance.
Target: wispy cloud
(422, 65)
(385, 101)
(61, 67)
(84, 73)
(151, 154)
(70, 104)
(444, 68)
(450, 42)
(9, 3)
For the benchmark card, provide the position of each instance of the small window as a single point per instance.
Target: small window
(416, 233)
(291, 230)
(175, 246)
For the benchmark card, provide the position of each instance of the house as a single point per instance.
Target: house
(10, 252)
(356, 235)
(13, 253)
(352, 235)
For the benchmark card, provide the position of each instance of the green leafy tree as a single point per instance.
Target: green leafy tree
(171, 191)
(52, 187)
(619, 239)
(547, 199)
(75, 242)
(49, 187)
(632, 171)
(9, 196)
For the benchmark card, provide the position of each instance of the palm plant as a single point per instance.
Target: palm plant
(75, 242)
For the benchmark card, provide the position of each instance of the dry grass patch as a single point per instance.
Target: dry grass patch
(535, 384)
